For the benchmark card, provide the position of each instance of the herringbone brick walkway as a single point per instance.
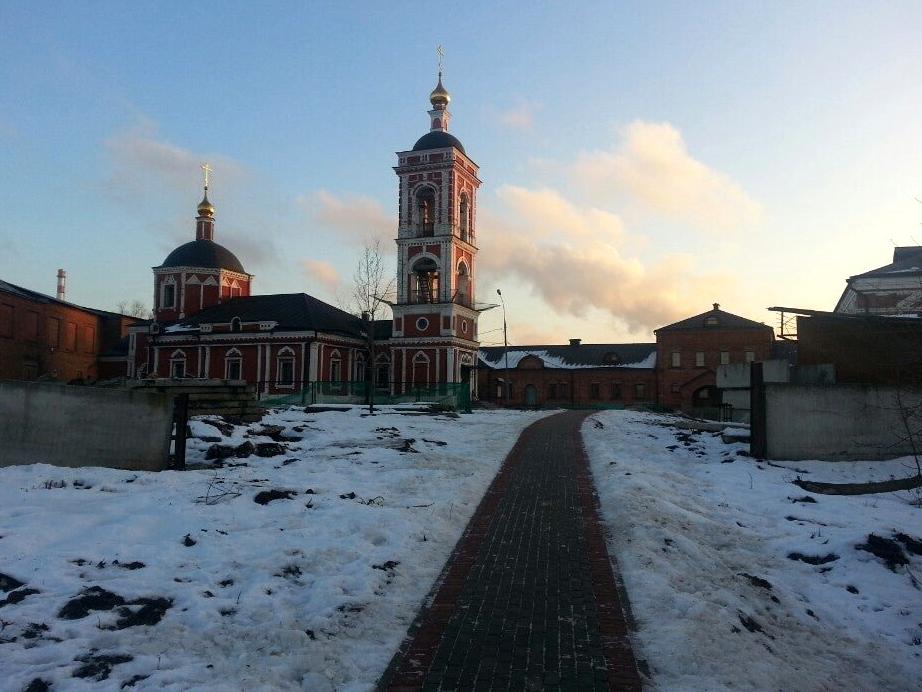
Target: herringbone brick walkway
(528, 600)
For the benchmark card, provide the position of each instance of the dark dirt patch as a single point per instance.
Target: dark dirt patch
(350, 608)
(805, 498)
(269, 449)
(387, 566)
(852, 589)
(34, 630)
(812, 614)
(887, 549)
(751, 624)
(224, 583)
(290, 572)
(225, 612)
(134, 680)
(8, 583)
(440, 443)
(99, 666)
(137, 564)
(15, 597)
(245, 449)
(813, 559)
(310, 634)
(207, 594)
(408, 446)
(93, 598)
(188, 541)
(37, 685)
(267, 496)
(347, 496)
(288, 461)
(757, 581)
(150, 613)
(219, 452)
(912, 545)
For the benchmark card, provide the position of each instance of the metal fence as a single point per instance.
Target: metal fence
(454, 395)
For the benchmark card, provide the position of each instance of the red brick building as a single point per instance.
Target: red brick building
(678, 371)
(47, 338)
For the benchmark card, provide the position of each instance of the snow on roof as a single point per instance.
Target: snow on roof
(559, 360)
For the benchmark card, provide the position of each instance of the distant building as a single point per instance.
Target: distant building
(42, 337)
(678, 371)
(894, 289)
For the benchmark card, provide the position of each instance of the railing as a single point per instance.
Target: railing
(419, 296)
(455, 395)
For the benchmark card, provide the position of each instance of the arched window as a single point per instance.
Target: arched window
(425, 281)
(382, 372)
(235, 325)
(178, 364)
(425, 211)
(336, 370)
(463, 285)
(168, 293)
(285, 368)
(464, 217)
(421, 369)
(358, 368)
(233, 365)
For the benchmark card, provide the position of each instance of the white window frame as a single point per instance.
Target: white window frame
(699, 359)
(285, 356)
(676, 359)
(175, 360)
(171, 282)
(233, 357)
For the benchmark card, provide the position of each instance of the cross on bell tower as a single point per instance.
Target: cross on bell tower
(435, 321)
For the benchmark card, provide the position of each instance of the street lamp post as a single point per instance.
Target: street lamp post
(506, 387)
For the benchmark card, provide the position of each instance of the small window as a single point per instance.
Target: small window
(422, 324)
(70, 337)
(53, 327)
(725, 358)
(6, 321)
(286, 372)
(595, 391)
(640, 390)
(676, 359)
(168, 299)
(616, 391)
(750, 356)
(711, 321)
(699, 359)
(232, 369)
(236, 325)
(178, 368)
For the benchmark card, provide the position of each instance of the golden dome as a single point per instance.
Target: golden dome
(439, 97)
(205, 208)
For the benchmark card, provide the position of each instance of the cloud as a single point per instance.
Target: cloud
(141, 158)
(322, 273)
(520, 117)
(652, 165)
(572, 259)
(360, 218)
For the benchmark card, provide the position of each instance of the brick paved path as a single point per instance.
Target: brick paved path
(528, 600)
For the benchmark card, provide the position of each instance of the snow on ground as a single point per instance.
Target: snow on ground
(312, 591)
(691, 517)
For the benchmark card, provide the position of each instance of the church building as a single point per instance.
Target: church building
(209, 324)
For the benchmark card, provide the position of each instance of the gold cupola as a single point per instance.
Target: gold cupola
(439, 97)
(205, 207)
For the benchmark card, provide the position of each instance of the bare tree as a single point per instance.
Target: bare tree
(134, 308)
(371, 284)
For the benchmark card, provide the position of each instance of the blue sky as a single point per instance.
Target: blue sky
(640, 160)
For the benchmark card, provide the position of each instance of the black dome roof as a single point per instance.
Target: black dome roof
(203, 253)
(438, 139)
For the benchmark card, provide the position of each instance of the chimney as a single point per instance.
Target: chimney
(62, 277)
(575, 342)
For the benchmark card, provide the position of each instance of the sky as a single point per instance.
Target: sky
(640, 161)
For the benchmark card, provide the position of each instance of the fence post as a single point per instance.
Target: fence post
(758, 434)
(180, 420)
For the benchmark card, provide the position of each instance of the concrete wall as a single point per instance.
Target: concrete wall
(84, 426)
(836, 422)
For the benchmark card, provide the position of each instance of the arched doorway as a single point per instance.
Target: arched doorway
(531, 396)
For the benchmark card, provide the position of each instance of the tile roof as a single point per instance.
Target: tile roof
(724, 320)
(569, 356)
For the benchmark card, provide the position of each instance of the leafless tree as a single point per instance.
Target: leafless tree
(135, 308)
(372, 282)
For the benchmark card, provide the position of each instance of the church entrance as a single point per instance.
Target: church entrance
(531, 396)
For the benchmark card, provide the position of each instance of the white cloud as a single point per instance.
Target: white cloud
(361, 218)
(572, 258)
(519, 117)
(323, 274)
(653, 167)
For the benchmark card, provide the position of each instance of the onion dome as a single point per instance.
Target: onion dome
(439, 97)
(205, 208)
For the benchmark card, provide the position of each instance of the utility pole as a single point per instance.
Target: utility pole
(506, 388)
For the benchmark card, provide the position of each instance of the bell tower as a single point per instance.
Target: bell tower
(435, 322)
